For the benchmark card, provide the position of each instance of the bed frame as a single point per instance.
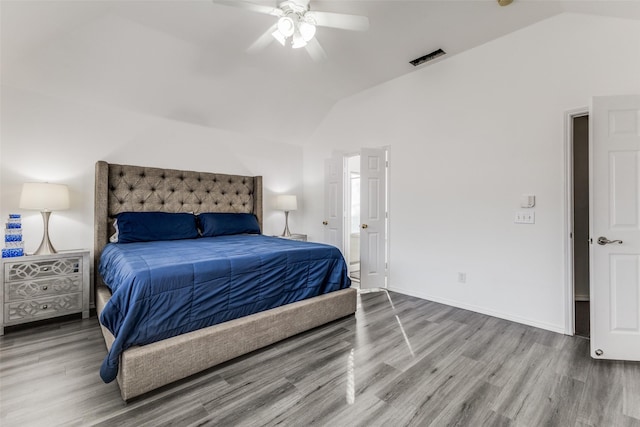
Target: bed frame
(124, 188)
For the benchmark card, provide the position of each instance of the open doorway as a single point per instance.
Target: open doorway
(581, 246)
(353, 218)
(357, 213)
(614, 236)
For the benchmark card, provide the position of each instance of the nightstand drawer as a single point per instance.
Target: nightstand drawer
(29, 289)
(24, 270)
(42, 308)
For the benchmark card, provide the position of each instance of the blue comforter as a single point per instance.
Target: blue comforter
(163, 289)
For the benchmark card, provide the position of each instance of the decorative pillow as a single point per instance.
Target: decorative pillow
(149, 226)
(222, 224)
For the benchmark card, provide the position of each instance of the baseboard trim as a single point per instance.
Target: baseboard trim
(523, 320)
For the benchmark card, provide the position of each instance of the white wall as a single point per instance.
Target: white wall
(59, 140)
(467, 137)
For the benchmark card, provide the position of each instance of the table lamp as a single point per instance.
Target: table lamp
(44, 197)
(286, 203)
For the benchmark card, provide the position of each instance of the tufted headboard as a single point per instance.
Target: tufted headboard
(123, 188)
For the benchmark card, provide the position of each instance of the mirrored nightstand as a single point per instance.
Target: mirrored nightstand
(37, 287)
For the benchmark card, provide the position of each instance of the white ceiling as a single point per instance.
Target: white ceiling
(186, 60)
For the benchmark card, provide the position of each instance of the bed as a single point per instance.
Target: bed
(145, 367)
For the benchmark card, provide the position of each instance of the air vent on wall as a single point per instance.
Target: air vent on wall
(428, 57)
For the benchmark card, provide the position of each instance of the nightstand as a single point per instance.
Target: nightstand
(36, 287)
(301, 237)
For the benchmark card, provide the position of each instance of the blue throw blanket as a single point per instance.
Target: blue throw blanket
(163, 289)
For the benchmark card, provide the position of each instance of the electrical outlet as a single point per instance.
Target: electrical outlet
(525, 217)
(462, 277)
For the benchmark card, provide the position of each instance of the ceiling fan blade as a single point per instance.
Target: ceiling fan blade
(263, 41)
(340, 20)
(260, 8)
(316, 51)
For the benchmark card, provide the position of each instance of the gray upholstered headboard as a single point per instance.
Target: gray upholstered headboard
(124, 188)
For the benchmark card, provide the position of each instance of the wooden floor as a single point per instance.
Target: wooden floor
(400, 361)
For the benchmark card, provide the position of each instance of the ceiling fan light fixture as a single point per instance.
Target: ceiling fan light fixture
(307, 30)
(278, 36)
(286, 26)
(298, 41)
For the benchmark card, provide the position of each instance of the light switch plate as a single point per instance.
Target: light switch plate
(525, 217)
(527, 200)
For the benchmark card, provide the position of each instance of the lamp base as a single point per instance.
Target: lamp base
(45, 248)
(286, 232)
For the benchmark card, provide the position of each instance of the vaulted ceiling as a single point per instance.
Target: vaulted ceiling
(186, 60)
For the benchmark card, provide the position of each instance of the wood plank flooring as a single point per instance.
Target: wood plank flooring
(400, 361)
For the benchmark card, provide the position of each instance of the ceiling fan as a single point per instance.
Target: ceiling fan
(297, 24)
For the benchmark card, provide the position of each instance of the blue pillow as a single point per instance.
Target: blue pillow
(151, 226)
(223, 224)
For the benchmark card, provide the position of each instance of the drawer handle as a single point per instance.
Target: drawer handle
(45, 287)
(45, 306)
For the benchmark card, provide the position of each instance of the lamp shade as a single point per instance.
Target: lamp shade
(286, 202)
(43, 196)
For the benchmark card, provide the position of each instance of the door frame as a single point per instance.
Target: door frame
(347, 204)
(568, 217)
(387, 149)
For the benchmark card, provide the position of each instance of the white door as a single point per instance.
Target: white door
(372, 218)
(334, 202)
(615, 228)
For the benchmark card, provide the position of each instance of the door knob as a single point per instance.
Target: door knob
(604, 241)
(325, 223)
(365, 226)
